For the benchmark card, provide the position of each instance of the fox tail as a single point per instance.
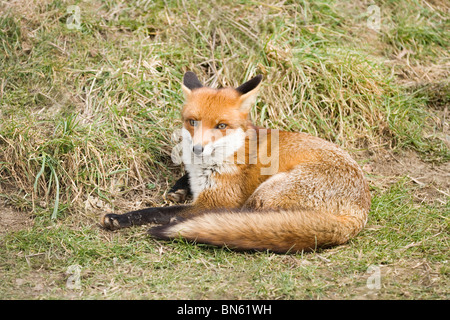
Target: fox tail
(282, 231)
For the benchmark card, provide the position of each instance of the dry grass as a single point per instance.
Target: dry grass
(102, 101)
(86, 118)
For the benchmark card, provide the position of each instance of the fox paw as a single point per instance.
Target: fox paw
(179, 195)
(110, 221)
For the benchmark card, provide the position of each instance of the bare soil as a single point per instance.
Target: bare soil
(13, 220)
(385, 167)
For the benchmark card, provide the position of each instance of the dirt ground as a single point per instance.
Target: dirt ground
(13, 220)
(386, 168)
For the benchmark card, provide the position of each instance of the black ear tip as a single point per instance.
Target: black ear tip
(191, 81)
(250, 84)
(189, 74)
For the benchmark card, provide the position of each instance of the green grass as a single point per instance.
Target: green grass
(401, 238)
(86, 123)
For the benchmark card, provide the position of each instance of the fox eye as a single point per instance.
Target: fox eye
(193, 123)
(221, 126)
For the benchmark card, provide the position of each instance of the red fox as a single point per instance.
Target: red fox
(307, 194)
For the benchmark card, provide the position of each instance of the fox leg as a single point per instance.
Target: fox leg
(163, 215)
(278, 192)
(181, 190)
(158, 215)
(315, 193)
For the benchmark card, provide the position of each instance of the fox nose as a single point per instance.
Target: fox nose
(198, 149)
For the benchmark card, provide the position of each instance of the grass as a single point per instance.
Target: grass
(128, 264)
(86, 123)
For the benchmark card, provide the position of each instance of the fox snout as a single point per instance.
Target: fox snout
(197, 149)
(199, 145)
(203, 140)
(211, 147)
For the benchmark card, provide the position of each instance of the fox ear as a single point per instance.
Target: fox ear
(190, 82)
(249, 91)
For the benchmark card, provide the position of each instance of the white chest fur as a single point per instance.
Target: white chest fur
(217, 158)
(202, 177)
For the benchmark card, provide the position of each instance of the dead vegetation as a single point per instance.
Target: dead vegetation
(87, 116)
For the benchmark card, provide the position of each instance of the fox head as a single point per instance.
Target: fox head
(215, 120)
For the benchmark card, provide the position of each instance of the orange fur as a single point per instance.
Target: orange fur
(316, 197)
(276, 190)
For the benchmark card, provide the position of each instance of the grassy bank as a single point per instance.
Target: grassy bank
(88, 108)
